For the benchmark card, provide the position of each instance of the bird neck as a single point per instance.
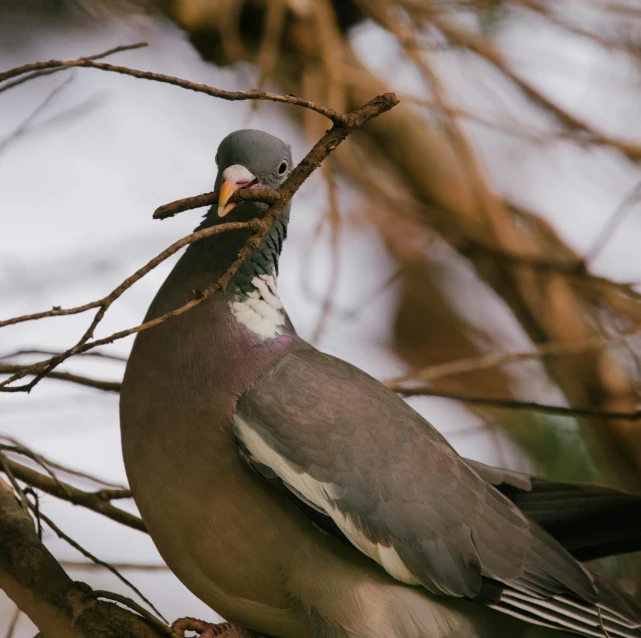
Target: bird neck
(251, 293)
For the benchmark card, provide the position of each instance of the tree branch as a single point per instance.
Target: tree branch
(39, 586)
(31, 71)
(277, 199)
(36, 69)
(514, 404)
(550, 349)
(99, 384)
(94, 501)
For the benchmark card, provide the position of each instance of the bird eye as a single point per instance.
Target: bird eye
(283, 167)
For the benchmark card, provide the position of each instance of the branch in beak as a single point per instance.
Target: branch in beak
(235, 177)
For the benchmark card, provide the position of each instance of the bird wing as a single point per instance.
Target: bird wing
(350, 449)
(590, 521)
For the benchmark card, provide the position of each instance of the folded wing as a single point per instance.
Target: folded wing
(352, 451)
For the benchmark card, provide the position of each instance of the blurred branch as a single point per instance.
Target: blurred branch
(13, 623)
(332, 216)
(517, 129)
(31, 71)
(83, 565)
(513, 404)
(605, 235)
(484, 49)
(550, 349)
(38, 585)
(25, 125)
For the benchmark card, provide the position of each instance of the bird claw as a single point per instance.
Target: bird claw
(207, 630)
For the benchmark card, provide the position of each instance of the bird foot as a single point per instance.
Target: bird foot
(208, 630)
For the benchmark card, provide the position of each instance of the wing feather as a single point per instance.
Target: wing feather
(352, 449)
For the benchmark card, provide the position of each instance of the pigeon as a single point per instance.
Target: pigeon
(299, 497)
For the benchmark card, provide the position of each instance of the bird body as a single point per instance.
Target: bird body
(298, 496)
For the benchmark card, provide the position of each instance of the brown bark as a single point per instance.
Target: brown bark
(39, 586)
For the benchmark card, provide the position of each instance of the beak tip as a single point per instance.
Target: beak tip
(226, 191)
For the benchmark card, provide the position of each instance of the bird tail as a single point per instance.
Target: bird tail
(616, 615)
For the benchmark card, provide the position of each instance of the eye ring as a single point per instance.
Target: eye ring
(282, 168)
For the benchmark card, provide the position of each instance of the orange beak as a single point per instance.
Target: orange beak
(226, 191)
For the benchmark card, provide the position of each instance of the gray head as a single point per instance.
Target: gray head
(250, 159)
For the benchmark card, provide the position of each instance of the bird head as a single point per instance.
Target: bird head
(250, 159)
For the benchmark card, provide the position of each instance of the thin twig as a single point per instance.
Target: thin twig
(259, 227)
(83, 565)
(24, 126)
(13, 623)
(334, 221)
(139, 274)
(87, 554)
(132, 604)
(515, 404)
(275, 14)
(57, 466)
(24, 351)
(90, 500)
(550, 349)
(337, 118)
(24, 451)
(482, 48)
(99, 384)
(39, 73)
(7, 468)
(606, 233)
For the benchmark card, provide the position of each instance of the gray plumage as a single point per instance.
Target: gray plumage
(299, 497)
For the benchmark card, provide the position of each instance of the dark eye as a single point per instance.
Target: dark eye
(282, 169)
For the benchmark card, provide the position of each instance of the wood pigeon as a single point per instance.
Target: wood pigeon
(301, 498)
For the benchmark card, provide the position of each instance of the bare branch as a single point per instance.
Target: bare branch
(49, 464)
(94, 501)
(99, 384)
(483, 48)
(95, 559)
(38, 70)
(267, 196)
(25, 125)
(94, 353)
(551, 349)
(259, 227)
(337, 118)
(87, 566)
(105, 302)
(514, 404)
(132, 604)
(13, 623)
(604, 236)
(38, 585)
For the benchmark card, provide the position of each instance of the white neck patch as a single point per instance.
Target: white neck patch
(262, 311)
